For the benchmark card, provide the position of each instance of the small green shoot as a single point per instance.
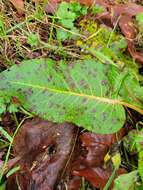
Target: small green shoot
(33, 39)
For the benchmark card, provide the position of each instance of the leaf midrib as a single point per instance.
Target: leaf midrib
(71, 93)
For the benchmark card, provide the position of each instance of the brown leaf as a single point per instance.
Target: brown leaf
(44, 148)
(74, 183)
(138, 56)
(19, 5)
(87, 2)
(130, 9)
(52, 6)
(97, 146)
(127, 27)
(130, 32)
(90, 162)
(125, 12)
(98, 176)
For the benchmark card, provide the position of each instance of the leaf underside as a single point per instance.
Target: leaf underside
(79, 93)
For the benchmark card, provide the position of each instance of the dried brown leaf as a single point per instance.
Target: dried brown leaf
(19, 5)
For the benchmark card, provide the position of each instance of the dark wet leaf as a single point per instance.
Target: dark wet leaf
(44, 148)
(74, 183)
(98, 177)
(91, 160)
(97, 146)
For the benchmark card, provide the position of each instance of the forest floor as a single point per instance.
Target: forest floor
(71, 95)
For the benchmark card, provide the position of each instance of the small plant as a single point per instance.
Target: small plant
(6, 104)
(33, 39)
(67, 13)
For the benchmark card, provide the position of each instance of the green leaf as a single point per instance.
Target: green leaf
(33, 39)
(67, 23)
(5, 134)
(2, 108)
(62, 34)
(133, 143)
(3, 186)
(127, 85)
(12, 108)
(83, 11)
(63, 12)
(140, 163)
(75, 6)
(79, 92)
(125, 181)
(78, 8)
(139, 18)
(117, 46)
(67, 13)
(97, 9)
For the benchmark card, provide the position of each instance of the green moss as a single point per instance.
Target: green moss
(97, 35)
(104, 39)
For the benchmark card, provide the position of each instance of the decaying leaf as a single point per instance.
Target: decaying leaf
(91, 161)
(19, 5)
(125, 12)
(98, 177)
(74, 183)
(44, 148)
(97, 146)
